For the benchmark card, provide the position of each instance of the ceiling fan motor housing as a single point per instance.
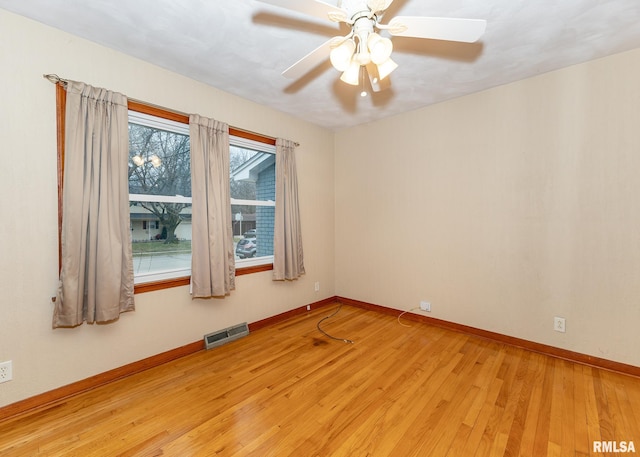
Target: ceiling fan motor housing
(353, 7)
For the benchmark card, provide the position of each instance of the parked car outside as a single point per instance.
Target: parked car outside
(250, 233)
(246, 248)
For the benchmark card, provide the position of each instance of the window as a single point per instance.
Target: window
(253, 195)
(160, 198)
(159, 189)
(160, 195)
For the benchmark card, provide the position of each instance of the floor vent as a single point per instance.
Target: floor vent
(224, 336)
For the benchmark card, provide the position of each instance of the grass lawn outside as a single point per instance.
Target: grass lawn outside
(160, 247)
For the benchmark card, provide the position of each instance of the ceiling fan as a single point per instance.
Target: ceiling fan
(363, 46)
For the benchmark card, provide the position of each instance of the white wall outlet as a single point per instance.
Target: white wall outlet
(316, 286)
(559, 324)
(425, 306)
(6, 371)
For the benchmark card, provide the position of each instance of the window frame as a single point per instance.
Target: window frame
(152, 110)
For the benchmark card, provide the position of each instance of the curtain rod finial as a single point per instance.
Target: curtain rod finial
(55, 79)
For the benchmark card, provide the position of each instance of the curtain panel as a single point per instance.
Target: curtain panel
(288, 258)
(96, 277)
(213, 260)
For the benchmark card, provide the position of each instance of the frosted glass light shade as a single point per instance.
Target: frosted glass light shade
(379, 47)
(340, 56)
(352, 74)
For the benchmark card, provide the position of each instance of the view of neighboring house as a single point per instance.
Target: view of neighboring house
(261, 170)
(146, 227)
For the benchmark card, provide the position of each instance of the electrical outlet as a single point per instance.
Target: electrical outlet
(316, 287)
(559, 324)
(6, 371)
(425, 306)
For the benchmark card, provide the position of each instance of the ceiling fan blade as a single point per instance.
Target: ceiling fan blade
(310, 61)
(316, 8)
(377, 6)
(438, 28)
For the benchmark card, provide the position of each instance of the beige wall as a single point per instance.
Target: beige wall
(44, 359)
(504, 209)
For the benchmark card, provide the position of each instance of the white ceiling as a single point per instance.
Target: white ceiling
(242, 46)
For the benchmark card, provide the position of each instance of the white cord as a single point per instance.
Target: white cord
(403, 313)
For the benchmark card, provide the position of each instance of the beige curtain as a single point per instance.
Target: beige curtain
(288, 262)
(212, 261)
(96, 279)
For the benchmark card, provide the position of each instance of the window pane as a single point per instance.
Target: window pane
(253, 181)
(253, 231)
(253, 174)
(159, 170)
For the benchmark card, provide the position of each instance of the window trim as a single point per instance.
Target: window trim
(152, 110)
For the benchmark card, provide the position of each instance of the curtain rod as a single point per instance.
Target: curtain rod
(55, 79)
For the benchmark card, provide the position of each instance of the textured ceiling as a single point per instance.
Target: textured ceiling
(242, 46)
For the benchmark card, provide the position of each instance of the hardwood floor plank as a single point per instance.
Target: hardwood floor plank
(541, 440)
(516, 431)
(556, 409)
(580, 431)
(288, 390)
(567, 438)
(459, 441)
(536, 378)
(592, 422)
(607, 430)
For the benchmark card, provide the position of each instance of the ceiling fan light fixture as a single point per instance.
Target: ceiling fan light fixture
(385, 68)
(379, 47)
(340, 56)
(352, 74)
(363, 57)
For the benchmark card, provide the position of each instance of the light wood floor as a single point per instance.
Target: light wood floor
(287, 390)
